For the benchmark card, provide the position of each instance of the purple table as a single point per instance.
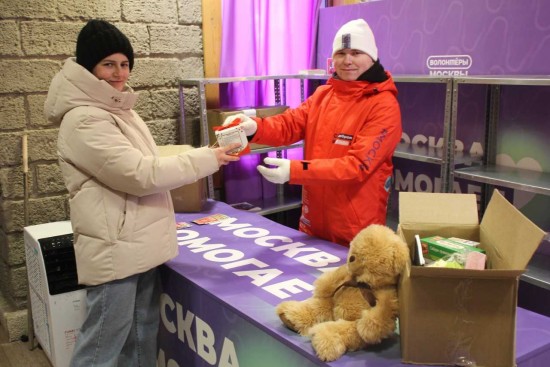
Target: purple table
(219, 297)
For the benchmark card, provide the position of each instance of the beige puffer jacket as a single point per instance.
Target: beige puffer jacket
(121, 210)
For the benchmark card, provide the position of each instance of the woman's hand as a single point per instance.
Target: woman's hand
(222, 156)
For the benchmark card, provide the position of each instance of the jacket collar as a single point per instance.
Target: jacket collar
(361, 87)
(99, 91)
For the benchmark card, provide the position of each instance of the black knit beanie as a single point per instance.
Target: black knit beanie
(99, 39)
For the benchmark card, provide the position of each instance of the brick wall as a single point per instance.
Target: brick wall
(35, 38)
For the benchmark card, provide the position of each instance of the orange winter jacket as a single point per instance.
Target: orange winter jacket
(350, 131)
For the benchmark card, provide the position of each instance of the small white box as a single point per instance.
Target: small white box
(232, 135)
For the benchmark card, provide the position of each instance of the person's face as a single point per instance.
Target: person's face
(114, 69)
(349, 64)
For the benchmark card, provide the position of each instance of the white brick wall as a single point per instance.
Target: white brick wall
(49, 38)
(12, 109)
(110, 10)
(9, 38)
(35, 38)
(26, 75)
(176, 39)
(142, 11)
(28, 9)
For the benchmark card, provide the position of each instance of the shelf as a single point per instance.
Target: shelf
(527, 80)
(222, 80)
(276, 204)
(538, 271)
(420, 79)
(419, 153)
(428, 154)
(465, 158)
(514, 178)
(266, 149)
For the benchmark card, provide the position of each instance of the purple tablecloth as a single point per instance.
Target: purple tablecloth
(221, 291)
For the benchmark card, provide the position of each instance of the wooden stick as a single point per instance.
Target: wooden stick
(25, 158)
(25, 154)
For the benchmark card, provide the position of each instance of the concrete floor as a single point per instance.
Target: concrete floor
(17, 353)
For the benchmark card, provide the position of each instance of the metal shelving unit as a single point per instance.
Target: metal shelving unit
(519, 179)
(485, 172)
(490, 174)
(442, 156)
(270, 205)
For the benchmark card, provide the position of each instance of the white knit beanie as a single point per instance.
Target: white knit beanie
(355, 34)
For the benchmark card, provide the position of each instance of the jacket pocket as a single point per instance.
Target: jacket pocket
(115, 209)
(128, 218)
(122, 217)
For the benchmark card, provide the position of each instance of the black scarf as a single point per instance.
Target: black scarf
(375, 74)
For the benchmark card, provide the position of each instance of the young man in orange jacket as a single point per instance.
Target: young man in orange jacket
(350, 128)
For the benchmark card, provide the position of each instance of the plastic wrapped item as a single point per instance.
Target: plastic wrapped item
(230, 134)
(453, 261)
(473, 260)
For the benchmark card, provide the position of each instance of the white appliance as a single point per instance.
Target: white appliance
(58, 303)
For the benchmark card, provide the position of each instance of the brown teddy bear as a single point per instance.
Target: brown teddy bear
(356, 304)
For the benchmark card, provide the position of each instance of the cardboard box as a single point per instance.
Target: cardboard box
(217, 116)
(446, 314)
(187, 198)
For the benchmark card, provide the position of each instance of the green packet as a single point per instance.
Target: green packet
(437, 247)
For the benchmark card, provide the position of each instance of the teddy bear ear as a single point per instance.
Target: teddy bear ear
(400, 254)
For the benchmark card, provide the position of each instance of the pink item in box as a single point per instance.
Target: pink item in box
(475, 260)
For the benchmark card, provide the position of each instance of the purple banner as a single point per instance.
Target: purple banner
(453, 38)
(197, 329)
(218, 302)
(263, 258)
(220, 293)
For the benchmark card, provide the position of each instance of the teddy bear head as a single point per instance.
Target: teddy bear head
(377, 256)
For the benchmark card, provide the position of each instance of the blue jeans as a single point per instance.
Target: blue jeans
(121, 324)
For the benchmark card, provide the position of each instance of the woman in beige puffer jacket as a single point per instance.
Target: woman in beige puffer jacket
(121, 210)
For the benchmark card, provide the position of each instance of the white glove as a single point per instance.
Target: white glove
(249, 125)
(278, 175)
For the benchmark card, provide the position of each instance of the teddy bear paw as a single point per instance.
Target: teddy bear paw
(328, 347)
(289, 324)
